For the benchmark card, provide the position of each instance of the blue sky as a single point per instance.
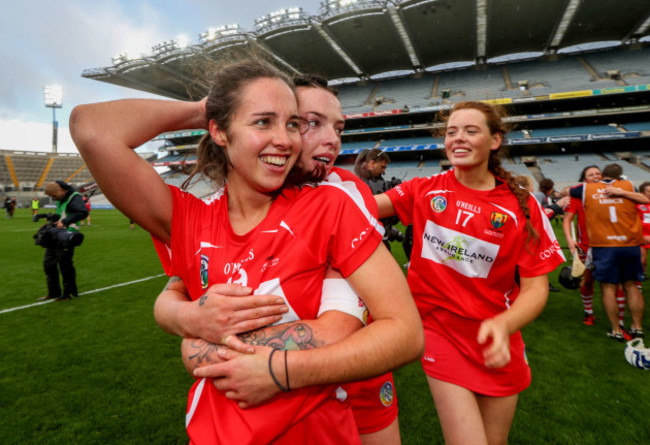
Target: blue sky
(46, 42)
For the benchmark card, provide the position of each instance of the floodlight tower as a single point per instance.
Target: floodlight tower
(53, 97)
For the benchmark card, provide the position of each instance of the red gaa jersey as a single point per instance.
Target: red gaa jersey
(469, 245)
(285, 255)
(644, 213)
(575, 207)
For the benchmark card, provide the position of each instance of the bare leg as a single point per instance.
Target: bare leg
(387, 436)
(497, 413)
(459, 413)
(635, 304)
(610, 305)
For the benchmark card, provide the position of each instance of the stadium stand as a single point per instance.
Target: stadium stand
(485, 84)
(356, 97)
(572, 102)
(517, 169)
(411, 91)
(585, 129)
(633, 66)
(637, 126)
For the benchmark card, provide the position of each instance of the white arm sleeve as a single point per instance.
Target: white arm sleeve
(338, 296)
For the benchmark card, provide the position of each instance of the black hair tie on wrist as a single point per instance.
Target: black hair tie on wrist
(286, 369)
(271, 370)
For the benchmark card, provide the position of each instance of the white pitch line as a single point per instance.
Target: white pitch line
(82, 293)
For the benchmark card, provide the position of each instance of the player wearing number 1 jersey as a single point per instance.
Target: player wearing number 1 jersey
(615, 237)
(473, 229)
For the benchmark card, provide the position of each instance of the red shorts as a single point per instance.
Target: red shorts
(373, 402)
(453, 355)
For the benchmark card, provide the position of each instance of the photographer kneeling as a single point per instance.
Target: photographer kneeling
(58, 255)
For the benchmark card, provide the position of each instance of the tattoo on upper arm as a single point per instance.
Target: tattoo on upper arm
(202, 299)
(287, 337)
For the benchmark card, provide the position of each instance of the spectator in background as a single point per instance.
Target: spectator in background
(615, 236)
(370, 166)
(543, 194)
(578, 242)
(86, 199)
(35, 205)
(644, 213)
(548, 199)
(71, 210)
(7, 205)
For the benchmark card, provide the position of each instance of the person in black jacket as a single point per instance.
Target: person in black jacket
(370, 166)
(71, 209)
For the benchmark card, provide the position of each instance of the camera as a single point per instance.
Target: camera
(51, 217)
(51, 236)
(392, 234)
(392, 182)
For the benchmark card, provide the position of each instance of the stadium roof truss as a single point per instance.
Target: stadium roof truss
(361, 39)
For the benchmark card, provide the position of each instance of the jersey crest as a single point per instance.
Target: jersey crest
(498, 219)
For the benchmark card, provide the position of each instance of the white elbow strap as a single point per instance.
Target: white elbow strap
(339, 296)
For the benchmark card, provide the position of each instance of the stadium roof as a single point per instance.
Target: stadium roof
(359, 39)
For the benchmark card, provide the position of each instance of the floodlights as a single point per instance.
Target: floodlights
(281, 16)
(222, 31)
(120, 58)
(53, 98)
(182, 41)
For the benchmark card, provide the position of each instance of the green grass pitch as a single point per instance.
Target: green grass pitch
(97, 370)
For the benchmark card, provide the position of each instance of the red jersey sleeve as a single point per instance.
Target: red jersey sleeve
(402, 198)
(544, 256)
(352, 237)
(574, 206)
(186, 209)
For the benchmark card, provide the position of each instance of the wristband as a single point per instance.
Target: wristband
(286, 369)
(271, 370)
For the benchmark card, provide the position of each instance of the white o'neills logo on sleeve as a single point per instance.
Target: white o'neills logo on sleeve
(465, 254)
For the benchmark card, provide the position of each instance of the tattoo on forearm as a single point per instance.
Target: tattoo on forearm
(291, 337)
(205, 352)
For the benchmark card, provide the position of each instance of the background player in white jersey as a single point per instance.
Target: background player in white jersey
(473, 228)
(373, 402)
(259, 222)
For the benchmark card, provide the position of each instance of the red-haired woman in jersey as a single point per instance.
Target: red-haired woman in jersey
(473, 229)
